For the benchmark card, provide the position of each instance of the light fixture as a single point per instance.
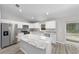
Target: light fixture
(20, 10)
(32, 17)
(47, 13)
(19, 7)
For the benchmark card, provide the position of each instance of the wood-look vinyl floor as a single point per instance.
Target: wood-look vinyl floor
(57, 48)
(65, 49)
(14, 49)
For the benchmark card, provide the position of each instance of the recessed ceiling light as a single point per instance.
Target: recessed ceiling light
(32, 17)
(47, 13)
(20, 10)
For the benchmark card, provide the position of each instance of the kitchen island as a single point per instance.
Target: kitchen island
(35, 44)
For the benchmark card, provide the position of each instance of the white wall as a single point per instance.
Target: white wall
(60, 31)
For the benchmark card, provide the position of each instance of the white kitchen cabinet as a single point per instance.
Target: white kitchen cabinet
(53, 38)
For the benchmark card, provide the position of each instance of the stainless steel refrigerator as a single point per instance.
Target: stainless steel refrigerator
(7, 35)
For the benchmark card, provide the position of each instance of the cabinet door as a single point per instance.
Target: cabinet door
(53, 38)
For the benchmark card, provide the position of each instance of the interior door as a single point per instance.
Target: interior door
(5, 35)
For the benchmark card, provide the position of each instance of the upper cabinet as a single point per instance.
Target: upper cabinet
(44, 25)
(51, 24)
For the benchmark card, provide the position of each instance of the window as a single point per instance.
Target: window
(72, 28)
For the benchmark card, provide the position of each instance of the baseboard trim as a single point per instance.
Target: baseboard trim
(60, 42)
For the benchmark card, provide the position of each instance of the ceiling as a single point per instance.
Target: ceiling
(42, 12)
